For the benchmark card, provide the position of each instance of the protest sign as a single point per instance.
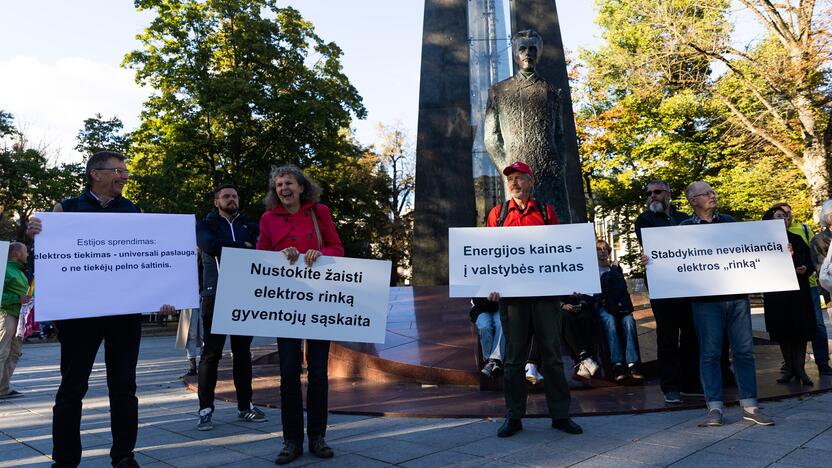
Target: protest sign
(715, 259)
(96, 264)
(4, 257)
(260, 294)
(523, 261)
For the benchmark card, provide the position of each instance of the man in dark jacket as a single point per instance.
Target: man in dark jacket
(225, 227)
(678, 351)
(80, 338)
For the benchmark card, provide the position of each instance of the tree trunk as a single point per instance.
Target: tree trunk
(816, 169)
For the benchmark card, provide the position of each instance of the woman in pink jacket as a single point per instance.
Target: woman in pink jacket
(295, 223)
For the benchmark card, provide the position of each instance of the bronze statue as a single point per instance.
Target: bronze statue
(523, 119)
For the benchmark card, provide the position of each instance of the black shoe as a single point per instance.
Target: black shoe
(192, 368)
(619, 372)
(634, 369)
(567, 425)
(320, 449)
(824, 370)
(786, 378)
(291, 450)
(10, 395)
(510, 427)
(127, 462)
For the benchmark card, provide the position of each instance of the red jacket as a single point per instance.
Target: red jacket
(529, 217)
(280, 229)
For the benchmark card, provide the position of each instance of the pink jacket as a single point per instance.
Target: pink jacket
(280, 229)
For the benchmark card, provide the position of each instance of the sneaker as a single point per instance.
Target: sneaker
(591, 366)
(252, 414)
(205, 423)
(291, 450)
(489, 368)
(320, 449)
(757, 417)
(713, 419)
(10, 395)
(672, 398)
(532, 375)
(634, 369)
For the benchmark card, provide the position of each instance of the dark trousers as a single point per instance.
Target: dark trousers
(678, 348)
(290, 352)
(210, 360)
(578, 328)
(520, 317)
(80, 340)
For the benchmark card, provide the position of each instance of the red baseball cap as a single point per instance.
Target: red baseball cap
(518, 167)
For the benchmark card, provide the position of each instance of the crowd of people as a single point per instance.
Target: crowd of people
(703, 343)
(520, 336)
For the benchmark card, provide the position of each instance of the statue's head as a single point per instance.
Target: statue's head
(528, 48)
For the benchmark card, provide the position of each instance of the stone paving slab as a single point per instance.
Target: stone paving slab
(168, 434)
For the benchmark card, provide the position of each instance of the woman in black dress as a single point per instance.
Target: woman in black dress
(790, 316)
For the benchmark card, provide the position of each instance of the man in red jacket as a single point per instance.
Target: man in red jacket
(520, 315)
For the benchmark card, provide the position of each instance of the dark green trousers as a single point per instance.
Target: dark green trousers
(522, 316)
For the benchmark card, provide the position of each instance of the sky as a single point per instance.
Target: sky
(60, 61)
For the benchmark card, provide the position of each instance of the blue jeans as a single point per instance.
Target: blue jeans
(630, 348)
(712, 320)
(193, 349)
(492, 340)
(820, 342)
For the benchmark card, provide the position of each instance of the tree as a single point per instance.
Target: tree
(29, 181)
(776, 90)
(239, 85)
(395, 157)
(102, 135)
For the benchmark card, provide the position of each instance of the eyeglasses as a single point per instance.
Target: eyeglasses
(116, 170)
(705, 194)
(656, 192)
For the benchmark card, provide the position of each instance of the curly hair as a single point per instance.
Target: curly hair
(311, 189)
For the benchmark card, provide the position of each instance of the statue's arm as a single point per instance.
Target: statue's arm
(491, 133)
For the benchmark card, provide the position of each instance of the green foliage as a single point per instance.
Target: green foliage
(102, 135)
(28, 182)
(239, 84)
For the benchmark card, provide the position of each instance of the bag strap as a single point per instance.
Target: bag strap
(317, 228)
(501, 219)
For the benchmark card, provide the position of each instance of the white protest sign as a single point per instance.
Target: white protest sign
(523, 261)
(4, 257)
(96, 264)
(342, 299)
(715, 259)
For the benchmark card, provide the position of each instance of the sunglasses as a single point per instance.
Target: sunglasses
(655, 192)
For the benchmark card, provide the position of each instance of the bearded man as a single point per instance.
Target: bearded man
(678, 351)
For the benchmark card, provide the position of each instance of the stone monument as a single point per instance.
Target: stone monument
(444, 195)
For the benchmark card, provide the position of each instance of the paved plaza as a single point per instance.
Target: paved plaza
(168, 435)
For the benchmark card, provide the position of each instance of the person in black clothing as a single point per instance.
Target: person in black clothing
(578, 329)
(678, 351)
(225, 227)
(106, 174)
(790, 315)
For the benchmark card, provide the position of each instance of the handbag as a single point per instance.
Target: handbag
(825, 275)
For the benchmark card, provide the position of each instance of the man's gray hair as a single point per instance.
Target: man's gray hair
(825, 214)
(689, 188)
(658, 182)
(15, 247)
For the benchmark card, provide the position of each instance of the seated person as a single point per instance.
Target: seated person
(578, 328)
(615, 307)
(486, 316)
